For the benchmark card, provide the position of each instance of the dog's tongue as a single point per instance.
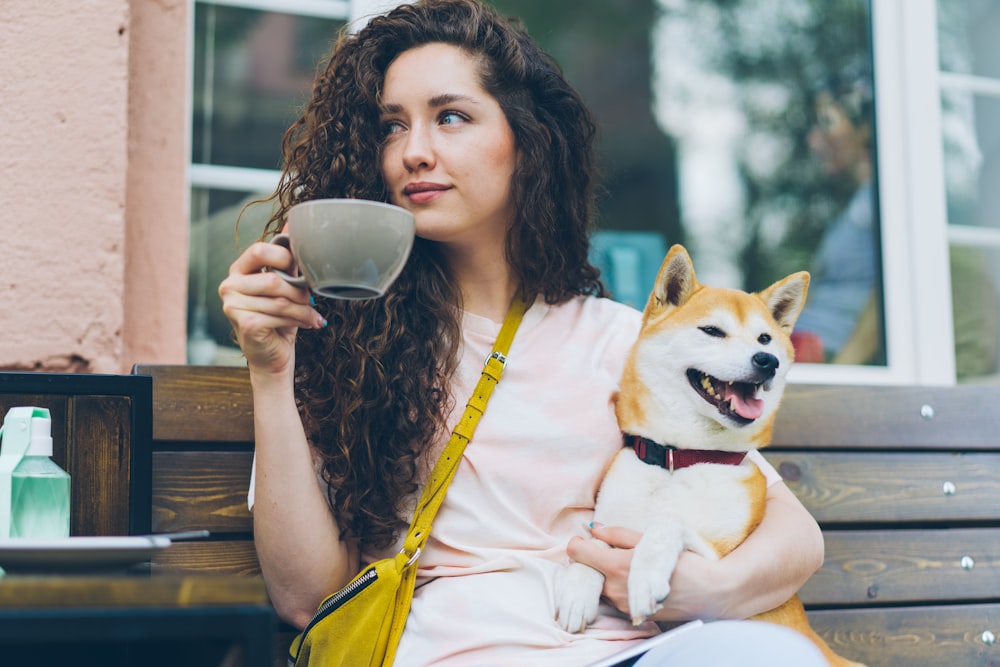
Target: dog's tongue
(742, 402)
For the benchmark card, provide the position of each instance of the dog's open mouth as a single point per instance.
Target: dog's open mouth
(739, 401)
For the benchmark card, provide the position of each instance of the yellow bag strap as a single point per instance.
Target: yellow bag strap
(447, 464)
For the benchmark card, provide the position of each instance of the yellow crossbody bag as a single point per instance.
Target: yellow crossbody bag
(362, 622)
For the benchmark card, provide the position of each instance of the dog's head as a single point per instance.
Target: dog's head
(709, 367)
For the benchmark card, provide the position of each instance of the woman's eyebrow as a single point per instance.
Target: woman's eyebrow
(448, 98)
(435, 102)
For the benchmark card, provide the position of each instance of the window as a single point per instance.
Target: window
(712, 115)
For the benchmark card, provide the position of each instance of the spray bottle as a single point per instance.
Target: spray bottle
(34, 491)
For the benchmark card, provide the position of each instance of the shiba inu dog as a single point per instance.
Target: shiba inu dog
(700, 389)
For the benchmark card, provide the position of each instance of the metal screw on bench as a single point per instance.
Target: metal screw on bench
(988, 638)
(967, 562)
(927, 411)
(948, 488)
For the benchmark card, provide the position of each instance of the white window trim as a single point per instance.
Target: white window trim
(917, 282)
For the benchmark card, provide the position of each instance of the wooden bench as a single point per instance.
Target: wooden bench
(904, 481)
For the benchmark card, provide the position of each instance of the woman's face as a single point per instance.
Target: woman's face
(449, 153)
(839, 144)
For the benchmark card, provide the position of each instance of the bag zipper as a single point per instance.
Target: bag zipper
(339, 598)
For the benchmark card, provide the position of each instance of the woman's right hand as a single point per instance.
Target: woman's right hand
(266, 312)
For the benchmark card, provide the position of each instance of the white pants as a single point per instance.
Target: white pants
(735, 644)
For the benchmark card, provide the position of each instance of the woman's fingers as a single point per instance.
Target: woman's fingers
(261, 255)
(266, 311)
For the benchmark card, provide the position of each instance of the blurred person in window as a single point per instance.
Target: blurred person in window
(841, 321)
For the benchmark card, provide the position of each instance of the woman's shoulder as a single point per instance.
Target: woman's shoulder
(603, 310)
(601, 318)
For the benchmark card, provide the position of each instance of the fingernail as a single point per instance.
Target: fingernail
(596, 524)
(312, 300)
(322, 323)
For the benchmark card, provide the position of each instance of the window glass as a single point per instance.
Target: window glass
(744, 130)
(252, 71)
(970, 120)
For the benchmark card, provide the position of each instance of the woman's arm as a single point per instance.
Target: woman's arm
(298, 543)
(767, 569)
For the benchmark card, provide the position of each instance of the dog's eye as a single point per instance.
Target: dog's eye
(715, 332)
(764, 339)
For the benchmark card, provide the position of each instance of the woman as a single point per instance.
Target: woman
(447, 110)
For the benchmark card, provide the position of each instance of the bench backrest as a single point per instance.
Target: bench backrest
(201, 453)
(905, 482)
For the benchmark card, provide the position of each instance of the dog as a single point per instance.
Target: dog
(700, 388)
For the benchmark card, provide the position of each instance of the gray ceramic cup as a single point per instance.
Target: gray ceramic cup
(347, 248)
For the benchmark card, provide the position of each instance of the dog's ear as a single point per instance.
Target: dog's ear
(675, 283)
(786, 298)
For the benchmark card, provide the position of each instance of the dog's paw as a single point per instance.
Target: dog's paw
(646, 590)
(578, 596)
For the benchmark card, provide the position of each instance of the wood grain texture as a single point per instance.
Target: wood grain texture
(221, 557)
(25, 592)
(906, 566)
(201, 403)
(872, 417)
(853, 486)
(932, 636)
(100, 471)
(201, 490)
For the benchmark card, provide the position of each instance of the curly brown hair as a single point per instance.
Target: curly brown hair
(373, 385)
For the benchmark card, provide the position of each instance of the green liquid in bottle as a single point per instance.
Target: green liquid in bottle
(39, 503)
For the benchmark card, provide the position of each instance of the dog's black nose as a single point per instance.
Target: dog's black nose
(765, 362)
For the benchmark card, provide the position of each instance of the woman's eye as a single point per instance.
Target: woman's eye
(451, 118)
(391, 127)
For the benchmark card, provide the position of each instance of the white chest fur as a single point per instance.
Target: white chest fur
(710, 501)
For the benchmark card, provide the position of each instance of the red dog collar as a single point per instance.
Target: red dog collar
(673, 458)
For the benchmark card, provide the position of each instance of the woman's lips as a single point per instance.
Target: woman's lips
(421, 193)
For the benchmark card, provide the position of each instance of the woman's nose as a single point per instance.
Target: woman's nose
(418, 152)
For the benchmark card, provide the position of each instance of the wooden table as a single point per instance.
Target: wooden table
(136, 619)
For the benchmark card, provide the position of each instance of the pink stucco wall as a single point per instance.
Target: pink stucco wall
(92, 143)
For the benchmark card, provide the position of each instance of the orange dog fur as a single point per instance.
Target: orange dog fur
(705, 375)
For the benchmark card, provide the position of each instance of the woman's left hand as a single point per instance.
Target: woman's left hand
(763, 572)
(696, 587)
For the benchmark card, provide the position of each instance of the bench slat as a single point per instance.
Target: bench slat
(934, 636)
(201, 403)
(814, 416)
(854, 487)
(865, 567)
(201, 490)
(226, 557)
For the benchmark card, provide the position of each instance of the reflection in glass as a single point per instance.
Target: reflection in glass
(970, 119)
(252, 70)
(215, 244)
(975, 310)
(773, 111)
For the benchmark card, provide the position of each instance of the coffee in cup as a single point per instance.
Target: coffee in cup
(347, 248)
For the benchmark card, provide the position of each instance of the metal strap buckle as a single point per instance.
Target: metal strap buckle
(413, 558)
(502, 358)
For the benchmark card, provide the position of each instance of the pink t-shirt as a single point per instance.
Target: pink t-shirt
(526, 485)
